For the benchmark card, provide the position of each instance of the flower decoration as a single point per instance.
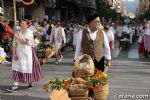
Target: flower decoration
(56, 84)
(2, 58)
(77, 83)
(98, 81)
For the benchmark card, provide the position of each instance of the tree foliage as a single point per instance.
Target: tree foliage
(145, 15)
(104, 10)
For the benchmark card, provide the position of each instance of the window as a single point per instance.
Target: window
(9, 14)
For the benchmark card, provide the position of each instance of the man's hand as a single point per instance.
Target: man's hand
(108, 63)
(63, 44)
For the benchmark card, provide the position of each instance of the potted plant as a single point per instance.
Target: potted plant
(99, 85)
(56, 84)
(58, 89)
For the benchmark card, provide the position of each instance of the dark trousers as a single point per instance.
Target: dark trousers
(99, 64)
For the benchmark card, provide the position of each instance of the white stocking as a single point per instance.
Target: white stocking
(16, 83)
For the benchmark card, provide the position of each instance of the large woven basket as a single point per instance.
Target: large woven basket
(83, 71)
(61, 94)
(101, 94)
(50, 51)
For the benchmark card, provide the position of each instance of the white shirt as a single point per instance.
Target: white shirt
(46, 27)
(75, 36)
(93, 35)
(55, 30)
(119, 31)
(110, 35)
(128, 30)
(113, 29)
(63, 35)
(33, 29)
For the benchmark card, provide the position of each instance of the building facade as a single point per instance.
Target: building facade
(142, 7)
(64, 10)
(71, 10)
(35, 10)
(118, 5)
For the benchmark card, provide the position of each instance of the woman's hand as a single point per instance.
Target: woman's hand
(16, 36)
(15, 57)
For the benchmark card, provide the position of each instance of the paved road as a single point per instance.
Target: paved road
(130, 77)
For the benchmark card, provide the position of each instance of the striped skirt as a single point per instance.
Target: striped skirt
(146, 43)
(35, 76)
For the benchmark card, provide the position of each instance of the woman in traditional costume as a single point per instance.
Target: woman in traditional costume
(25, 65)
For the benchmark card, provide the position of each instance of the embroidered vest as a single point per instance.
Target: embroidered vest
(93, 48)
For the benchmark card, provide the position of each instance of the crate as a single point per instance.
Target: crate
(78, 93)
(81, 98)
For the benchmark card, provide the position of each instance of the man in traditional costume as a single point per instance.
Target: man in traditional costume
(94, 42)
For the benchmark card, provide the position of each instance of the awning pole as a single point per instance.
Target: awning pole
(14, 8)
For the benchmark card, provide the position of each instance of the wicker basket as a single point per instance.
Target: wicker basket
(84, 67)
(101, 94)
(61, 94)
(78, 93)
(51, 51)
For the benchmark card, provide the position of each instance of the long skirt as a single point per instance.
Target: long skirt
(35, 76)
(146, 43)
(142, 48)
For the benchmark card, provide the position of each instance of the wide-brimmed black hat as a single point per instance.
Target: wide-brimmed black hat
(92, 17)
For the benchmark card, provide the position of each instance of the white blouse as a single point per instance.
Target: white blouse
(110, 36)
